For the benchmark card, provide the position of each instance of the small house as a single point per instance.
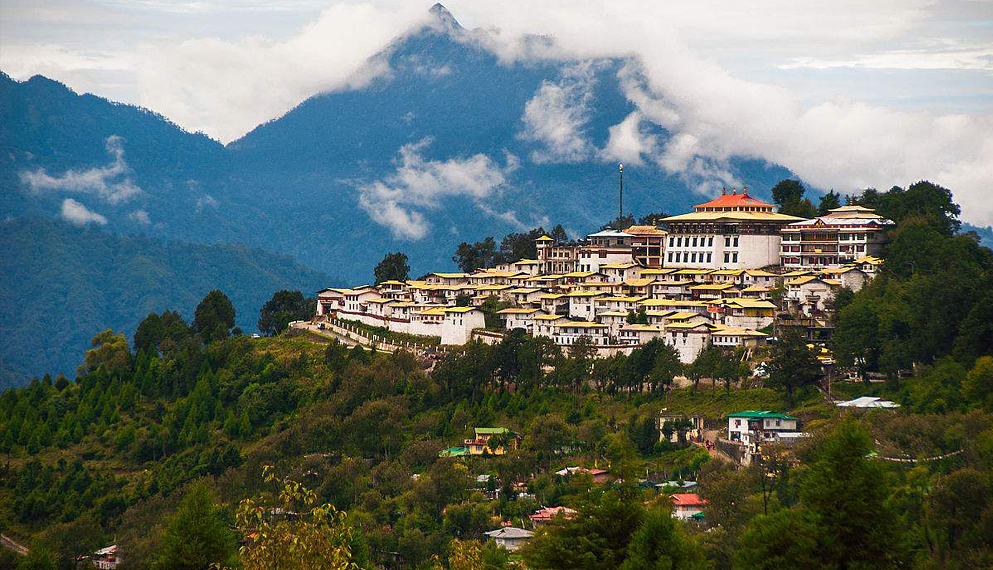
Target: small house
(686, 506)
(510, 537)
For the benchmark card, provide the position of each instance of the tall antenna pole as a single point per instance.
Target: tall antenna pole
(620, 196)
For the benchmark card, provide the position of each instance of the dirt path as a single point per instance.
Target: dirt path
(10, 544)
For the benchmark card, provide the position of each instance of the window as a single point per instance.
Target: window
(735, 241)
(734, 257)
(694, 257)
(694, 242)
(727, 257)
(670, 257)
(709, 255)
(727, 241)
(710, 241)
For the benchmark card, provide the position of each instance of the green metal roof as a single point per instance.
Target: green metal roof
(760, 414)
(453, 452)
(491, 431)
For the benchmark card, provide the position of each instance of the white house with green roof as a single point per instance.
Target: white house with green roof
(752, 426)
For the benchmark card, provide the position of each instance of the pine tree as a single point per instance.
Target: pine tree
(245, 426)
(196, 536)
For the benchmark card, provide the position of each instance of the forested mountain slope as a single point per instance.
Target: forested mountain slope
(60, 283)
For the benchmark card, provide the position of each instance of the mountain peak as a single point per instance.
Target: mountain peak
(440, 13)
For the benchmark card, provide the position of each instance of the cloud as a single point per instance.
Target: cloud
(714, 74)
(711, 114)
(205, 200)
(628, 142)
(969, 58)
(76, 213)
(419, 184)
(556, 116)
(227, 87)
(109, 182)
(140, 216)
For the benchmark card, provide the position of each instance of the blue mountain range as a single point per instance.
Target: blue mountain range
(325, 182)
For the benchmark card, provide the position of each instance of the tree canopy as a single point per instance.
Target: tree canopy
(393, 267)
(214, 317)
(283, 308)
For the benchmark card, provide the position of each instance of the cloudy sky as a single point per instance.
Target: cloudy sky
(846, 93)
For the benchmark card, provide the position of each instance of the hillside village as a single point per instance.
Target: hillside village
(726, 274)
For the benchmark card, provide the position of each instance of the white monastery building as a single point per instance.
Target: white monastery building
(732, 231)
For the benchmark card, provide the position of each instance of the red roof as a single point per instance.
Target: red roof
(732, 200)
(547, 513)
(687, 500)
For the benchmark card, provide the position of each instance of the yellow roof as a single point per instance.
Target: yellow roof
(639, 282)
(658, 271)
(713, 286)
(686, 326)
(662, 313)
(837, 270)
(392, 282)
(743, 216)
(451, 275)
(729, 331)
(756, 289)
(516, 311)
(381, 301)
(645, 231)
(728, 272)
(869, 259)
(625, 265)
(544, 238)
(528, 262)
(580, 274)
(524, 290)
(584, 294)
(759, 273)
(549, 317)
(752, 303)
(436, 311)
(674, 283)
(694, 271)
(582, 324)
(460, 309)
(551, 296)
(683, 315)
(804, 279)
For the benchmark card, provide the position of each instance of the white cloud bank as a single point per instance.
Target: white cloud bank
(556, 116)
(108, 182)
(227, 87)
(419, 184)
(711, 73)
(76, 213)
(713, 115)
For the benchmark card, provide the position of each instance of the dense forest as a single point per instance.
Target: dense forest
(191, 434)
(61, 283)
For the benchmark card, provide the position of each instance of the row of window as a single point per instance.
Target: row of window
(823, 237)
(701, 241)
(690, 257)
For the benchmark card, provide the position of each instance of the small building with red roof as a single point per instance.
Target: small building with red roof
(686, 506)
(548, 513)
